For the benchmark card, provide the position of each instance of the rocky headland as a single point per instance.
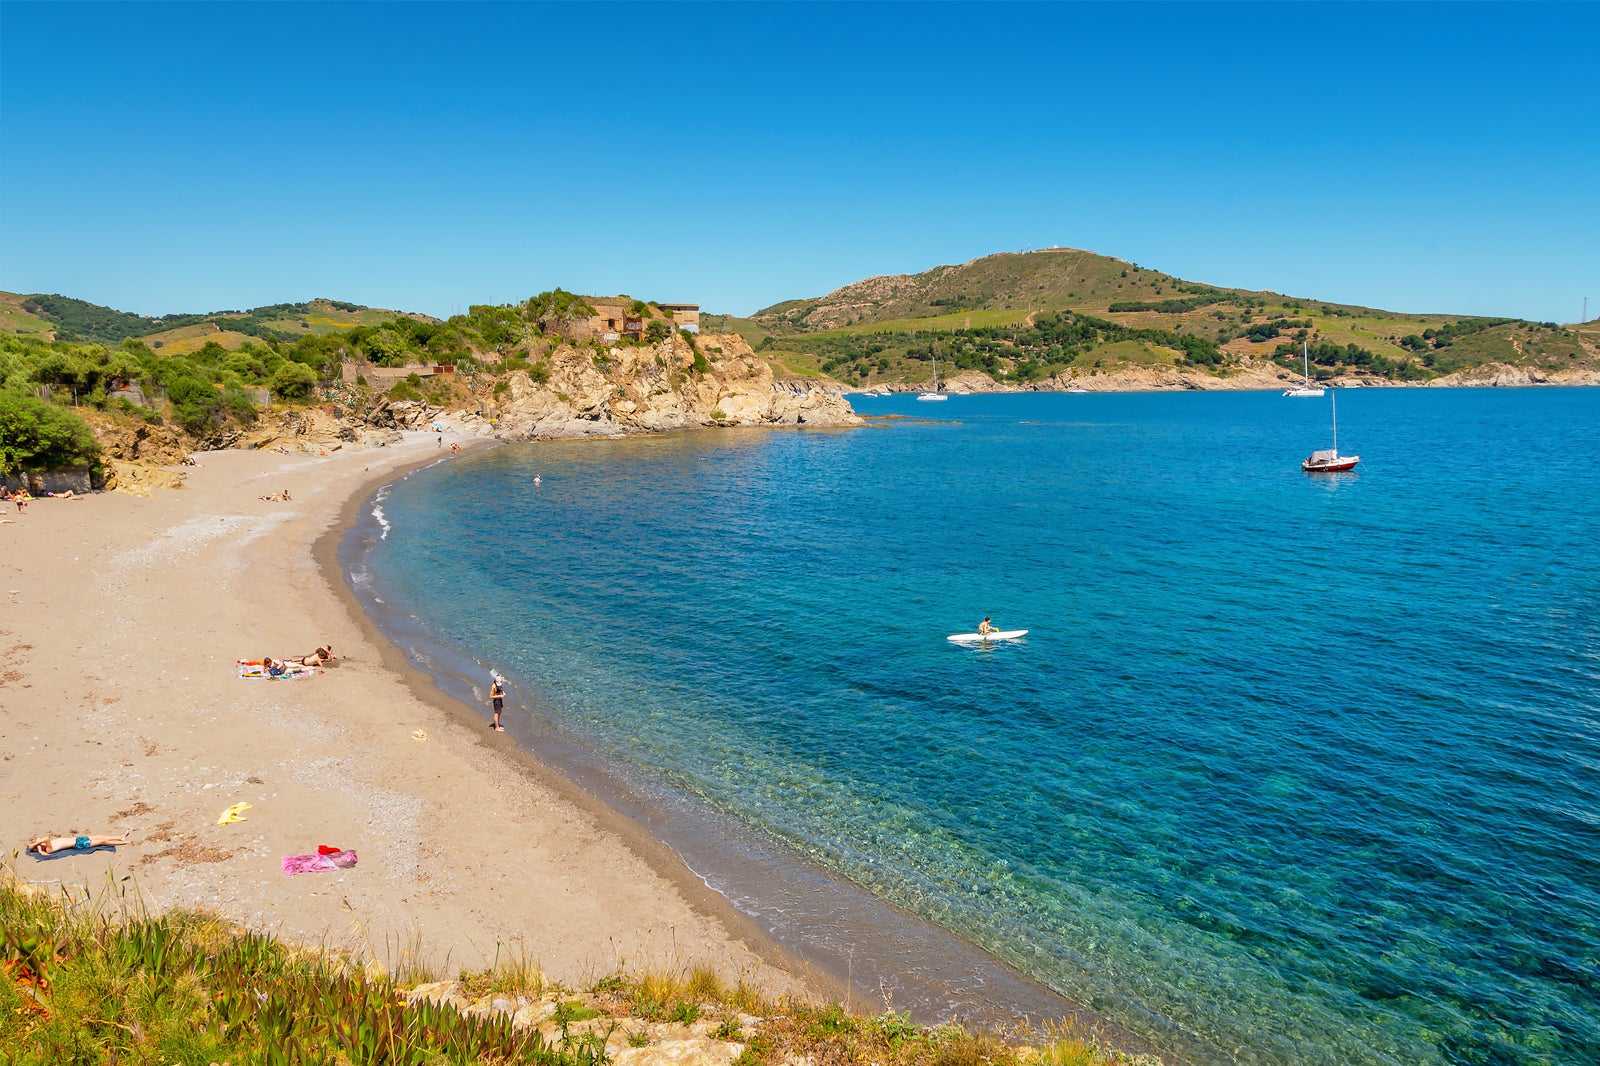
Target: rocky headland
(573, 392)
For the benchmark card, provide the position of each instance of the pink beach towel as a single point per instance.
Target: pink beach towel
(316, 864)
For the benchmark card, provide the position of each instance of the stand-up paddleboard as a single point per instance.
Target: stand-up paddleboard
(976, 638)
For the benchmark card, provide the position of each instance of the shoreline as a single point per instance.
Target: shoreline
(426, 688)
(884, 956)
(1170, 380)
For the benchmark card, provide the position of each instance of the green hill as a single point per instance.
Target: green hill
(65, 318)
(1023, 317)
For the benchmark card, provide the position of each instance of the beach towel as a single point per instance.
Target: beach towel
(256, 670)
(233, 814)
(64, 852)
(316, 864)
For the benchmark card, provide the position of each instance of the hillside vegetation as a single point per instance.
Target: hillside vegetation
(1037, 317)
(56, 317)
(82, 980)
(531, 368)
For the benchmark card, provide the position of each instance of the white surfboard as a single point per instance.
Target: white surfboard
(975, 638)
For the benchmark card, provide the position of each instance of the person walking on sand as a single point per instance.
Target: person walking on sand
(497, 699)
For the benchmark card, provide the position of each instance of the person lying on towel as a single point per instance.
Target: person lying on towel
(82, 842)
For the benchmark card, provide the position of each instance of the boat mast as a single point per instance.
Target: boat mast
(1334, 393)
(1305, 353)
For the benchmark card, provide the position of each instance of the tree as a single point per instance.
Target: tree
(555, 308)
(386, 348)
(37, 435)
(293, 381)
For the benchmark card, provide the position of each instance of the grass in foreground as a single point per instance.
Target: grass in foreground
(80, 984)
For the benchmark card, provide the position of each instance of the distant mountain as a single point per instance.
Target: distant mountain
(1056, 279)
(65, 318)
(1039, 319)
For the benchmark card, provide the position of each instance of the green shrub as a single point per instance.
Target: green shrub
(196, 405)
(405, 390)
(293, 381)
(37, 435)
(240, 406)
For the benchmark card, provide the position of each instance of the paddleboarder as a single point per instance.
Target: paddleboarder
(986, 627)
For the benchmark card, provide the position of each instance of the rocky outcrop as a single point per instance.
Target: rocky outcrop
(614, 392)
(133, 441)
(139, 479)
(1248, 375)
(628, 1040)
(1258, 374)
(1502, 375)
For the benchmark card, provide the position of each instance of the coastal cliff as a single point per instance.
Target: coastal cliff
(572, 392)
(655, 388)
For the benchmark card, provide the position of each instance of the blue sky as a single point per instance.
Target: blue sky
(196, 157)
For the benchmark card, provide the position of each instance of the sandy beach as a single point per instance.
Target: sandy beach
(121, 712)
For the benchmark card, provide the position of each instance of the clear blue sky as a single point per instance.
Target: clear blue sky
(197, 157)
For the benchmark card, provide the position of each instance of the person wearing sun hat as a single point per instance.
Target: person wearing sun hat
(497, 699)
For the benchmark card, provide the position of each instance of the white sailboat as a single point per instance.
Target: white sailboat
(1307, 389)
(935, 395)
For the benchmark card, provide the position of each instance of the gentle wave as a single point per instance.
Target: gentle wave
(378, 514)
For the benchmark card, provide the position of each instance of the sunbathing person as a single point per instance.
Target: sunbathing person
(321, 657)
(51, 845)
(271, 667)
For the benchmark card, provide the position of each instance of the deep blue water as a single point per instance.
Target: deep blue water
(1290, 768)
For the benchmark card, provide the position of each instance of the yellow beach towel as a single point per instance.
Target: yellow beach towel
(233, 814)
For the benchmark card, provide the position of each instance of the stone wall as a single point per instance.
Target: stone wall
(382, 377)
(75, 481)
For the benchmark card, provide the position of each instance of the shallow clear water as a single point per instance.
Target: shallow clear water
(1289, 769)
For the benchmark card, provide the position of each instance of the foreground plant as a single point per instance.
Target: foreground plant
(86, 982)
(185, 987)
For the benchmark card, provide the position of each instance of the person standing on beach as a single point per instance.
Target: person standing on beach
(497, 699)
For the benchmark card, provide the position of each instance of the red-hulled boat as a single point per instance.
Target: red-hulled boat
(1328, 460)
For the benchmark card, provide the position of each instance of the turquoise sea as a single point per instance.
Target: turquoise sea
(1289, 768)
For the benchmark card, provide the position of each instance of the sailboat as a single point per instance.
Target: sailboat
(935, 395)
(1307, 389)
(1328, 460)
